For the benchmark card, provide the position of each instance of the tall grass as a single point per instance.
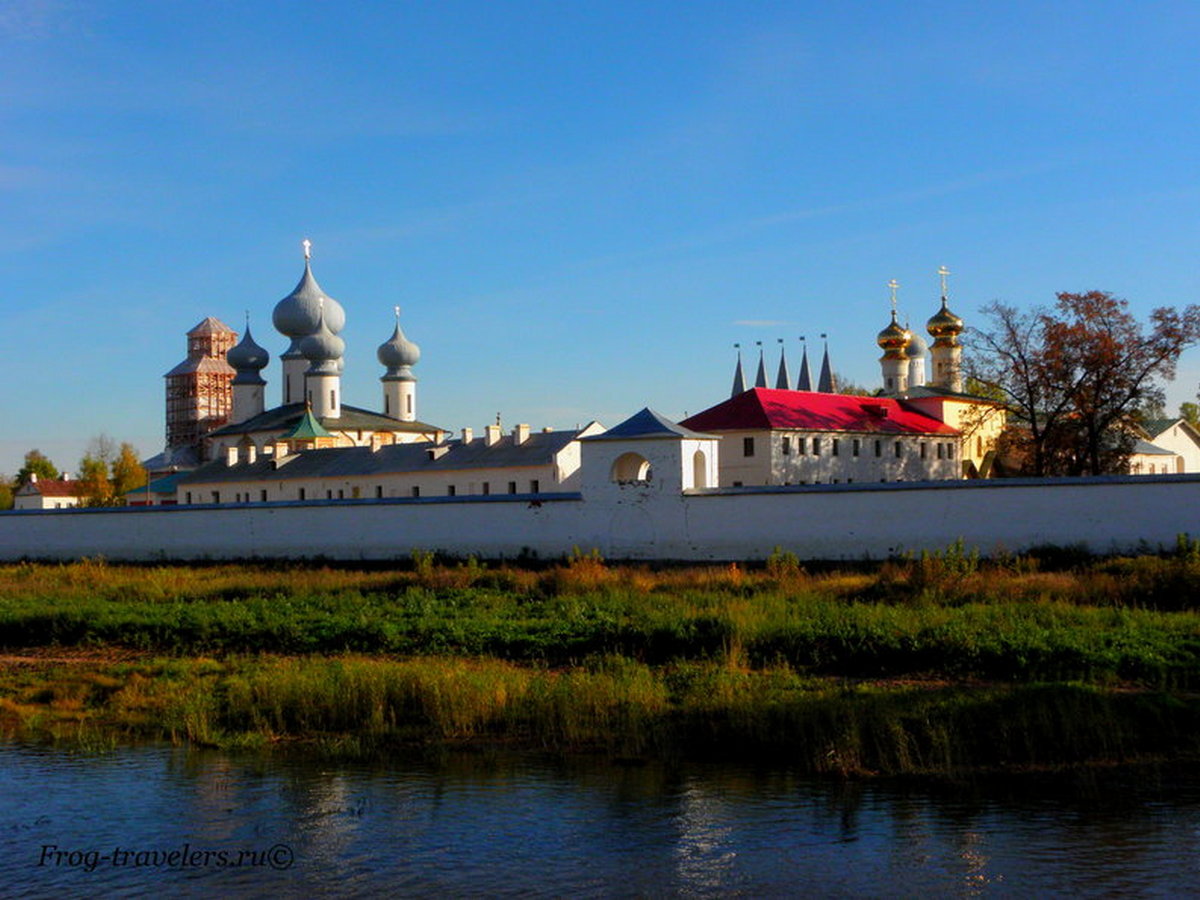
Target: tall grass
(617, 706)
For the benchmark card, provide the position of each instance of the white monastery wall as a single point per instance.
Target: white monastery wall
(836, 458)
(639, 521)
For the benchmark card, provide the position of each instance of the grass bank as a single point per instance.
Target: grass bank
(941, 663)
(366, 706)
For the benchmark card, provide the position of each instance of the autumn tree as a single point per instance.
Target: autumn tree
(1074, 375)
(95, 488)
(127, 471)
(37, 463)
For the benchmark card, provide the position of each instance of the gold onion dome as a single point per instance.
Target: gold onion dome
(944, 323)
(894, 338)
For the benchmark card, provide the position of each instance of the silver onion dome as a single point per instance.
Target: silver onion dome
(298, 314)
(398, 352)
(323, 349)
(247, 355)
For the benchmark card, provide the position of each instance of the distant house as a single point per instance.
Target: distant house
(46, 493)
(1175, 436)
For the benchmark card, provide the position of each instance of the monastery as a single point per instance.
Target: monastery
(815, 472)
(225, 446)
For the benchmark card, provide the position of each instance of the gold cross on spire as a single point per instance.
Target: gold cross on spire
(307, 245)
(397, 309)
(893, 284)
(944, 272)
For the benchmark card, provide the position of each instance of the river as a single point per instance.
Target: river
(160, 821)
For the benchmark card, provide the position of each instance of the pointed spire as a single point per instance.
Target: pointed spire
(739, 379)
(760, 380)
(783, 381)
(804, 381)
(826, 385)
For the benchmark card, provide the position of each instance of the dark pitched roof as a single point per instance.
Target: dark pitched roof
(1155, 427)
(762, 408)
(172, 458)
(1145, 448)
(538, 449)
(282, 418)
(646, 424)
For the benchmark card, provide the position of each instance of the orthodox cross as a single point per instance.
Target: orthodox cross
(307, 245)
(943, 271)
(893, 284)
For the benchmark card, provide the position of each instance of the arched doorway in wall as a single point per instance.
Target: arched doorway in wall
(631, 468)
(700, 470)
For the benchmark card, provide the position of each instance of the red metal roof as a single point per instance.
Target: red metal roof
(51, 488)
(766, 408)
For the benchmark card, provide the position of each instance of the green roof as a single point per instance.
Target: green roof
(306, 429)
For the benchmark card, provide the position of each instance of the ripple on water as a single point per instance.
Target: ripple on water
(478, 826)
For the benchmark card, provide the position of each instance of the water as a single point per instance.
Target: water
(484, 826)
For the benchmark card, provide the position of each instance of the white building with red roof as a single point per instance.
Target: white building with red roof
(47, 493)
(779, 437)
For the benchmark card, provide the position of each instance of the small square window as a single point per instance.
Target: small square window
(451, 490)
(748, 446)
(487, 488)
(416, 491)
(512, 487)
(534, 486)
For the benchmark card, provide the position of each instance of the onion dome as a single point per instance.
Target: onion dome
(248, 360)
(323, 349)
(945, 325)
(248, 355)
(397, 354)
(298, 314)
(917, 348)
(893, 339)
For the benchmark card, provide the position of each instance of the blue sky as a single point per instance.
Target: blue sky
(579, 206)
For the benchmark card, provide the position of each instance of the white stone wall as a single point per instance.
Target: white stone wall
(920, 458)
(641, 522)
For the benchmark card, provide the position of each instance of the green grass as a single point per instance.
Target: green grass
(939, 663)
(919, 617)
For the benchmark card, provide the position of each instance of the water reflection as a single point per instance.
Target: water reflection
(480, 825)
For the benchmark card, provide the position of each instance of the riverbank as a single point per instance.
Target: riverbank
(940, 665)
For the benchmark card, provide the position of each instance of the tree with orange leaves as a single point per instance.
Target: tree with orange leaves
(1074, 377)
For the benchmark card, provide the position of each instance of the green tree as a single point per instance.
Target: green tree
(37, 463)
(7, 487)
(1191, 413)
